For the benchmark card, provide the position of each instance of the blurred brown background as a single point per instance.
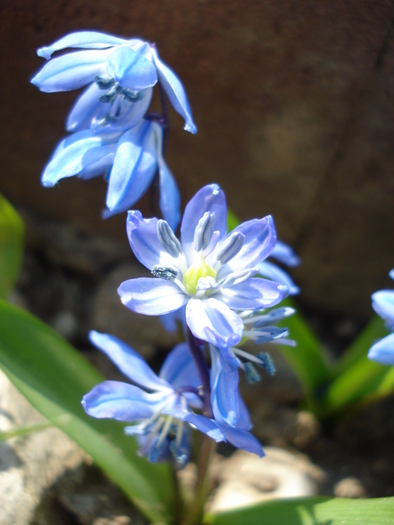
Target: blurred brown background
(294, 103)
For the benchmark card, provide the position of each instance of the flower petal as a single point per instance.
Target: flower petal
(117, 400)
(175, 92)
(242, 439)
(224, 389)
(285, 254)
(383, 351)
(81, 39)
(211, 320)
(71, 71)
(210, 198)
(205, 425)
(131, 68)
(128, 361)
(142, 235)
(253, 294)
(98, 162)
(383, 304)
(170, 199)
(71, 156)
(151, 296)
(133, 169)
(260, 240)
(179, 369)
(267, 269)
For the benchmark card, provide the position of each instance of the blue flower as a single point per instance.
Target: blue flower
(210, 272)
(383, 304)
(118, 70)
(162, 406)
(130, 159)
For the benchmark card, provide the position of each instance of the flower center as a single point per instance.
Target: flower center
(193, 274)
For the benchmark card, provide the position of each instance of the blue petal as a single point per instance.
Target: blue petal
(275, 273)
(170, 321)
(98, 162)
(224, 390)
(210, 198)
(85, 109)
(151, 296)
(133, 169)
(142, 235)
(391, 273)
(253, 294)
(261, 319)
(212, 321)
(205, 425)
(285, 254)
(260, 240)
(175, 92)
(383, 351)
(170, 199)
(131, 69)
(128, 361)
(179, 369)
(81, 39)
(71, 71)
(383, 304)
(117, 400)
(242, 439)
(71, 156)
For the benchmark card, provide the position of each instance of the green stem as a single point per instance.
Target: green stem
(195, 511)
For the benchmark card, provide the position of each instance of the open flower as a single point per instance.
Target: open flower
(208, 271)
(118, 70)
(162, 406)
(130, 159)
(383, 304)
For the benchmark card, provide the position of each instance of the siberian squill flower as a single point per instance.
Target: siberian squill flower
(209, 272)
(120, 73)
(130, 160)
(162, 406)
(383, 304)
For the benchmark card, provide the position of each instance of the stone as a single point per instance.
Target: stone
(245, 479)
(350, 488)
(29, 465)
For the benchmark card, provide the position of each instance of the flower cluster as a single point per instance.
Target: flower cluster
(383, 304)
(111, 133)
(214, 282)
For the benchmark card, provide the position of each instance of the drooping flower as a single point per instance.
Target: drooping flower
(208, 271)
(383, 304)
(130, 159)
(162, 406)
(120, 72)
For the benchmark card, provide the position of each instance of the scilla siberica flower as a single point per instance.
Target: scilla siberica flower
(121, 74)
(130, 159)
(162, 405)
(209, 272)
(383, 304)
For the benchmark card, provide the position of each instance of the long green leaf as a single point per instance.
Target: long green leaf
(374, 330)
(53, 376)
(311, 511)
(308, 359)
(12, 234)
(363, 382)
(24, 431)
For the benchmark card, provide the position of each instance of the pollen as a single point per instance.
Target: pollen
(193, 274)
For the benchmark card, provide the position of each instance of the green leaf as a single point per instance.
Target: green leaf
(311, 511)
(308, 359)
(53, 376)
(374, 330)
(12, 234)
(24, 431)
(232, 220)
(364, 382)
